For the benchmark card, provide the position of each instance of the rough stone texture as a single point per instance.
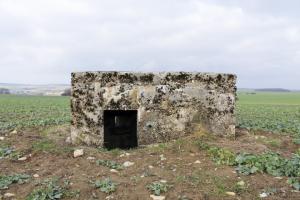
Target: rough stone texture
(170, 105)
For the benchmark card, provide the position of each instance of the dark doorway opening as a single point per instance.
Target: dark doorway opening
(120, 129)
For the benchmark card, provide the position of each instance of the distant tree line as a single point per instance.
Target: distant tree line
(4, 91)
(67, 92)
(272, 90)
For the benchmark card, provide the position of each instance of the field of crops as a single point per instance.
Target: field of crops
(276, 112)
(25, 111)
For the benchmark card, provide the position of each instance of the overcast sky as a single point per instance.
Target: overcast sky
(42, 42)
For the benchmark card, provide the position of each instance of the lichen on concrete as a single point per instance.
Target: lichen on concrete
(169, 104)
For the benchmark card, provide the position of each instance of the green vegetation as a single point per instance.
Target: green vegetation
(50, 189)
(106, 185)
(26, 111)
(110, 164)
(158, 187)
(9, 152)
(268, 162)
(6, 181)
(277, 112)
(49, 146)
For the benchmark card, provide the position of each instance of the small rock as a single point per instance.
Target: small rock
(78, 153)
(278, 177)
(263, 195)
(241, 183)
(128, 164)
(22, 158)
(68, 140)
(9, 195)
(163, 181)
(162, 157)
(36, 175)
(109, 197)
(14, 132)
(114, 171)
(150, 167)
(197, 162)
(230, 193)
(1, 138)
(157, 197)
(124, 154)
(90, 158)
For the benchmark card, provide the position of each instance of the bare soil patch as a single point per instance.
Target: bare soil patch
(189, 171)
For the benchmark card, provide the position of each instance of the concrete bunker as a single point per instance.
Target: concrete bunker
(128, 109)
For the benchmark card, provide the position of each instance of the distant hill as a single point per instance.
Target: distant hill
(4, 91)
(30, 89)
(272, 90)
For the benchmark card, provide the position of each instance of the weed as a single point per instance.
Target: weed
(5, 152)
(110, 164)
(106, 185)
(115, 152)
(49, 146)
(240, 187)
(222, 156)
(158, 148)
(44, 145)
(6, 181)
(296, 140)
(158, 187)
(9, 152)
(294, 182)
(271, 142)
(269, 162)
(49, 190)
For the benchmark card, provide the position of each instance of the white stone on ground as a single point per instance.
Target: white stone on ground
(157, 197)
(114, 171)
(263, 195)
(230, 193)
(9, 195)
(128, 164)
(162, 157)
(90, 158)
(78, 153)
(1, 138)
(36, 175)
(124, 154)
(22, 158)
(197, 162)
(68, 140)
(150, 167)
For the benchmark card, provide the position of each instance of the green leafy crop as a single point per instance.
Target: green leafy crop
(6, 181)
(110, 164)
(158, 187)
(106, 185)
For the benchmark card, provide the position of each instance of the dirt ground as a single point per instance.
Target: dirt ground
(48, 155)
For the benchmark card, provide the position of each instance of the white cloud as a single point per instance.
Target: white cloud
(43, 41)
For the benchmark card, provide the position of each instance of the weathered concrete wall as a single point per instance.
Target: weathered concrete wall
(170, 105)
